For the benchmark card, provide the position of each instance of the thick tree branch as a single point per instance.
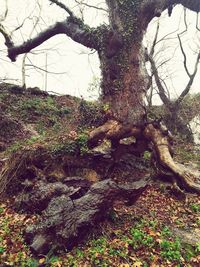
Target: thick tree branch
(72, 27)
(154, 8)
(193, 5)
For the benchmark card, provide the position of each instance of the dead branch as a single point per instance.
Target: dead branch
(184, 56)
(91, 6)
(3, 17)
(61, 5)
(191, 76)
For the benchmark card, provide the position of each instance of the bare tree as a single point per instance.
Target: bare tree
(173, 106)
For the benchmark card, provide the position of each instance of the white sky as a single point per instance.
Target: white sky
(81, 65)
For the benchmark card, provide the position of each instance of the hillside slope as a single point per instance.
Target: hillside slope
(43, 142)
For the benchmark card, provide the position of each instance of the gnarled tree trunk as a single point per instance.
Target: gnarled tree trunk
(122, 63)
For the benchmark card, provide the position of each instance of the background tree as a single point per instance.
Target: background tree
(172, 107)
(124, 78)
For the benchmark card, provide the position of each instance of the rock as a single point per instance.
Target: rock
(188, 236)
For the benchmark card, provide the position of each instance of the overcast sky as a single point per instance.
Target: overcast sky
(80, 66)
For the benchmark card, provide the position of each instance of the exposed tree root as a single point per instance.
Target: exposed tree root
(112, 130)
(71, 206)
(160, 141)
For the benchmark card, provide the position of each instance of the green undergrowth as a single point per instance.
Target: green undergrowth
(138, 235)
(60, 123)
(43, 111)
(140, 243)
(57, 145)
(126, 246)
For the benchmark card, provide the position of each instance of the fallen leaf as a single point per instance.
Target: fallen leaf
(137, 264)
(42, 260)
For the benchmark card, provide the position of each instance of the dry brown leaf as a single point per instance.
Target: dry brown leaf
(137, 264)
(42, 260)
(124, 265)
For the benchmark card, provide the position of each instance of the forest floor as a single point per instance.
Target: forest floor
(159, 230)
(144, 234)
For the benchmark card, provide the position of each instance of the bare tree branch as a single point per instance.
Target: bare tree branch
(25, 55)
(161, 89)
(184, 56)
(92, 6)
(39, 68)
(154, 71)
(7, 36)
(155, 40)
(73, 28)
(190, 82)
(61, 5)
(3, 17)
(159, 82)
(197, 22)
(185, 22)
(191, 76)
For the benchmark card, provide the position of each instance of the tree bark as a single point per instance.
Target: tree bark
(122, 63)
(66, 221)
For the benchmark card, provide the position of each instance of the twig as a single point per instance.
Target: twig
(85, 4)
